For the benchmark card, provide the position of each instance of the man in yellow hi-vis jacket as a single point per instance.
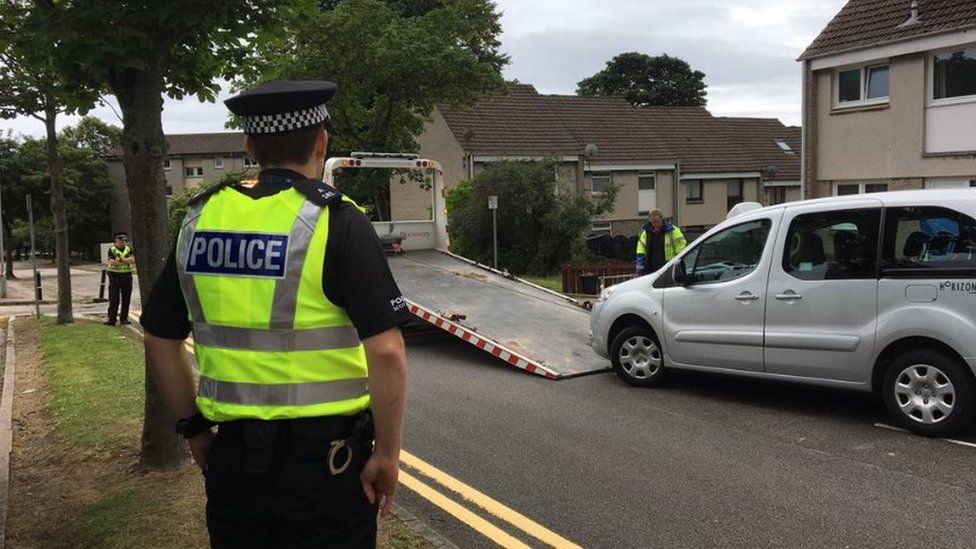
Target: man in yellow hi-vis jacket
(658, 243)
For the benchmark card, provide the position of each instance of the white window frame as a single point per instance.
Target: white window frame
(701, 196)
(197, 171)
(602, 227)
(593, 175)
(931, 101)
(167, 165)
(249, 162)
(861, 186)
(218, 162)
(865, 70)
(784, 146)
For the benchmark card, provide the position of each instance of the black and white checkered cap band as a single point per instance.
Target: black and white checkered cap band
(286, 121)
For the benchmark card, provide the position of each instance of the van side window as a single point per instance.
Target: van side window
(928, 241)
(730, 254)
(835, 245)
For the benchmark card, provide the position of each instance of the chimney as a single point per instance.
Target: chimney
(913, 18)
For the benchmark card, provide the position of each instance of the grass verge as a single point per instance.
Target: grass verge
(75, 475)
(552, 282)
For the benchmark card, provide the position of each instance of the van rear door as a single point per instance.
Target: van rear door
(822, 298)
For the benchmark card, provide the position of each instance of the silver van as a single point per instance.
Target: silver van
(871, 292)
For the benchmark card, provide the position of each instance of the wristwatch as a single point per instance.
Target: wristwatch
(192, 426)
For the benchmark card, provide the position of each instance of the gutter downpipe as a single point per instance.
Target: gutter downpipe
(804, 127)
(676, 218)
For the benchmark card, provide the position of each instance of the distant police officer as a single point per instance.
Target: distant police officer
(293, 309)
(120, 263)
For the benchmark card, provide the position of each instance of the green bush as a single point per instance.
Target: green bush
(539, 228)
(178, 203)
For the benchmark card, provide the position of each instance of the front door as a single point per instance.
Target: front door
(646, 194)
(716, 321)
(822, 299)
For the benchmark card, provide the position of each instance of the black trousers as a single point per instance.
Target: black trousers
(269, 485)
(119, 289)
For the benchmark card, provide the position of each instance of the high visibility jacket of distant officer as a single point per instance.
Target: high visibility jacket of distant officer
(659, 242)
(293, 309)
(120, 267)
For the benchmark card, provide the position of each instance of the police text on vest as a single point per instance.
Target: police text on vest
(239, 254)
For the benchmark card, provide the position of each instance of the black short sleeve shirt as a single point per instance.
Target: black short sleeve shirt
(355, 275)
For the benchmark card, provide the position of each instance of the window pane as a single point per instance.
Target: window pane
(735, 189)
(876, 188)
(926, 238)
(878, 82)
(730, 254)
(833, 245)
(955, 74)
(849, 85)
(694, 190)
(645, 182)
(599, 182)
(847, 188)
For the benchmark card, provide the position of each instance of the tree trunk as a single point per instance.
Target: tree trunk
(9, 251)
(59, 209)
(140, 96)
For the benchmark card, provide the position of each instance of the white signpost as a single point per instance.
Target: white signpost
(493, 206)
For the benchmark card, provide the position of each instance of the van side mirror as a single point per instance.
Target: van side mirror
(680, 275)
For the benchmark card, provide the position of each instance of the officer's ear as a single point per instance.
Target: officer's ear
(321, 143)
(249, 146)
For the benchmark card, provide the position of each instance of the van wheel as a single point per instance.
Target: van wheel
(636, 356)
(930, 394)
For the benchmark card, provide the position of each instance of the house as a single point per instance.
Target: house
(191, 159)
(889, 98)
(686, 162)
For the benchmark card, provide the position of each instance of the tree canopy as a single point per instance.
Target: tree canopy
(538, 229)
(644, 81)
(394, 61)
(88, 191)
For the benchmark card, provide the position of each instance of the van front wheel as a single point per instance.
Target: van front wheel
(637, 357)
(930, 394)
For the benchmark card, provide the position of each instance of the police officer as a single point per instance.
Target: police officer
(293, 310)
(120, 263)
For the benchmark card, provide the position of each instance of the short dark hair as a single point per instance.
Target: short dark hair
(285, 148)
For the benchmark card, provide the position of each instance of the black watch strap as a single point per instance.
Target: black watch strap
(192, 426)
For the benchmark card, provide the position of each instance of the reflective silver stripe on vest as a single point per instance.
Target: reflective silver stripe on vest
(286, 290)
(182, 255)
(285, 340)
(297, 394)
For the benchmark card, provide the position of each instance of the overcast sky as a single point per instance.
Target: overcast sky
(746, 48)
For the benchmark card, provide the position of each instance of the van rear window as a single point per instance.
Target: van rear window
(929, 241)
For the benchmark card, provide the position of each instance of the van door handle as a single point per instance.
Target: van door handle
(746, 296)
(789, 295)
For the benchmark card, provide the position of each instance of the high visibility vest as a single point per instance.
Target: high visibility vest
(121, 254)
(270, 345)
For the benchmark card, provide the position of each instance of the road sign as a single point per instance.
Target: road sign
(492, 202)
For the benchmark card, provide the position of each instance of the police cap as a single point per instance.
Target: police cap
(282, 106)
(121, 234)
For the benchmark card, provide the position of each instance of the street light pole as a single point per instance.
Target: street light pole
(3, 256)
(37, 280)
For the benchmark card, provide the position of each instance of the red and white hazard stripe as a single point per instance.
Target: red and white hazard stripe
(519, 361)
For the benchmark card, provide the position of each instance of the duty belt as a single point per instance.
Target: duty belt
(344, 434)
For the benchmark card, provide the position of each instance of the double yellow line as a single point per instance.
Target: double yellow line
(494, 509)
(489, 506)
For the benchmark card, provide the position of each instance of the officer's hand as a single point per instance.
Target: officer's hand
(379, 479)
(200, 448)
